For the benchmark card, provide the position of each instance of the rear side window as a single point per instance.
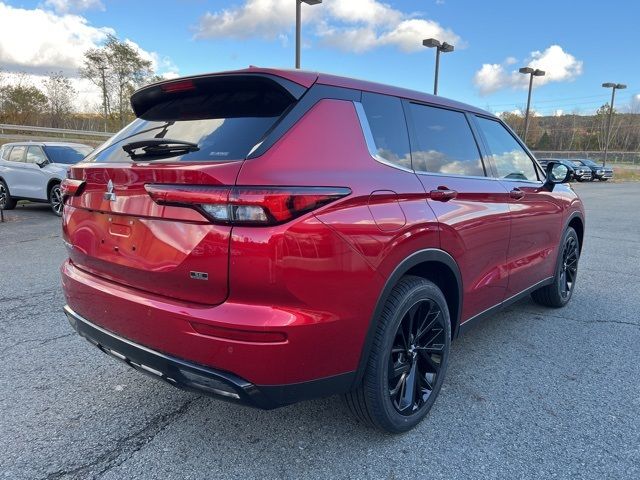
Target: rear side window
(226, 119)
(442, 142)
(388, 127)
(17, 154)
(35, 155)
(510, 159)
(4, 153)
(66, 154)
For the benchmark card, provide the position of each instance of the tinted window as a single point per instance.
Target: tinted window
(510, 159)
(66, 154)
(226, 121)
(388, 127)
(17, 154)
(35, 155)
(443, 142)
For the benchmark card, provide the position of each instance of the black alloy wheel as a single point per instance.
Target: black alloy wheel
(408, 358)
(558, 293)
(569, 266)
(416, 357)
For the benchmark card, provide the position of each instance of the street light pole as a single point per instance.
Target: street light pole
(299, 25)
(613, 87)
(532, 73)
(443, 47)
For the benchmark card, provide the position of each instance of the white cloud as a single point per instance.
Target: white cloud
(52, 42)
(57, 42)
(559, 66)
(66, 6)
(354, 25)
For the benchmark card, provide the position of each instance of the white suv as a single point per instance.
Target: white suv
(33, 171)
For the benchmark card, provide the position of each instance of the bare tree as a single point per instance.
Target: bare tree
(60, 95)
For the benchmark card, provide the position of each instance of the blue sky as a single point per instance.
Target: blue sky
(580, 44)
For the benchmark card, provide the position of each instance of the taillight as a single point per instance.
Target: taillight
(70, 187)
(246, 205)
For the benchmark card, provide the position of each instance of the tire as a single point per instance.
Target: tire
(558, 293)
(382, 401)
(604, 179)
(55, 199)
(6, 202)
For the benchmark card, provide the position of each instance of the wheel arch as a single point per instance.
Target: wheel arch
(50, 184)
(576, 222)
(431, 264)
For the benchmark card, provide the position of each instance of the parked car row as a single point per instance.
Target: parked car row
(34, 170)
(584, 170)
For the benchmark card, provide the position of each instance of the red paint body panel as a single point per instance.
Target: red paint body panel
(536, 230)
(475, 229)
(315, 280)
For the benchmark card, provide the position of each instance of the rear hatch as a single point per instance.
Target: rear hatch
(190, 132)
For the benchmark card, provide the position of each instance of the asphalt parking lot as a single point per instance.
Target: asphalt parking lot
(530, 393)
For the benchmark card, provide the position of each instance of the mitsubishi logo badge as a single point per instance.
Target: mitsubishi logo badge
(110, 195)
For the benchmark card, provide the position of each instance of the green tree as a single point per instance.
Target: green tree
(22, 104)
(118, 69)
(545, 141)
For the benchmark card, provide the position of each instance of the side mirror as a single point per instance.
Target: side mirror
(557, 173)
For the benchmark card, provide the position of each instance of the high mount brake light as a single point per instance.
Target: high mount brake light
(70, 187)
(182, 86)
(259, 206)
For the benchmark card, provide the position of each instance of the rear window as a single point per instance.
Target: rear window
(66, 154)
(226, 119)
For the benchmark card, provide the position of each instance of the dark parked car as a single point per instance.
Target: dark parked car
(599, 172)
(268, 236)
(580, 172)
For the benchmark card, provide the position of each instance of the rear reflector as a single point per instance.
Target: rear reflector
(71, 188)
(239, 335)
(246, 205)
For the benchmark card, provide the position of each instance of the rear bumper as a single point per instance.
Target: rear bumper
(198, 378)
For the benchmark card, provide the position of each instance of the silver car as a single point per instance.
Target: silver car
(33, 171)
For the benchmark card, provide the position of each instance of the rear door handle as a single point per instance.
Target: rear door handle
(443, 194)
(516, 194)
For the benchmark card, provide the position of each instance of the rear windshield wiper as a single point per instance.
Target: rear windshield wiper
(158, 147)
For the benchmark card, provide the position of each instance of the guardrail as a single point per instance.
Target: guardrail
(631, 158)
(63, 132)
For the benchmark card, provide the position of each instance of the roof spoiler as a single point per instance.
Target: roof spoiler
(146, 97)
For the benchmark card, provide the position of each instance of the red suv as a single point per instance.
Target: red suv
(270, 236)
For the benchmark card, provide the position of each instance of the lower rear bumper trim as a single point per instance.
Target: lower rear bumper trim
(201, 379)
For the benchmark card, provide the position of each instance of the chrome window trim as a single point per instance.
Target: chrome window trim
(371, 143)
(534, 182)
(455, 175)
